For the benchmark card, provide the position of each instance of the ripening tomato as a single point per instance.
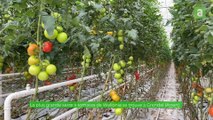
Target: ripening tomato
(112, 92)
(115, 98)
(110, 33)
(32, 49)
(211, 110)
(47, 47)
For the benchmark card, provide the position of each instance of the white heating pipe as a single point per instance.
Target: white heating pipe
(68, 113)
(16, 95)
(11, 74)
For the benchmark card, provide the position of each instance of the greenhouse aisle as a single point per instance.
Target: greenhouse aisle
(169, 93)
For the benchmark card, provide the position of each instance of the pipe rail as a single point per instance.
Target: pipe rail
(24, 93)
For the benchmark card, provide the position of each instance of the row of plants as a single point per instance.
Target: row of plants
(107, 35)
(193, 55)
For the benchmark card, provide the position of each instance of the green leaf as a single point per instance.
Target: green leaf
(94, 46)
(86, 51)
(49, 24)
(210, 37)
(132, 34)
(110, 38)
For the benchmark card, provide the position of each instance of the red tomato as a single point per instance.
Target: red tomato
(211, 111)
(72, 77)
(47, 47)
(137, 75)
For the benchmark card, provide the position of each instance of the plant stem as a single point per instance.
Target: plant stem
(36, 82)
(108, 75)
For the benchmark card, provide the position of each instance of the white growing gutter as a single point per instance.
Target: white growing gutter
(24, 93)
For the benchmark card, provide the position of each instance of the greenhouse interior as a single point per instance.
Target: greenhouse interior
(106, 60)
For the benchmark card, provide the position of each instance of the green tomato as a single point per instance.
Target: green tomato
(117, 75)
(195, 101)
(120, 33)
(43, 76)
(6, 16)
(121, 71)
(120, 80)
(51, 69)
(87, 65)
(121, 46)
(62, 37)
(59, 28)
(209, 99)
(72, 88)
(57, 16)
(131, 58)
(45, 63)
(103, 11)
(55, 34)
(42, 25)
(33, 60)
(83, 57)
(192, 94)
(88, 56)
(118, 111)
(197, 98)
(88, 60)
(26, 74)
(129, 62)
(121, 39)
(34, 70)
(116, 67)
(122, 63)
(83, 63)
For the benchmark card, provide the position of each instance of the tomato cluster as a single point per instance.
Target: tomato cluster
(40, 68)
(86, 60)
(58, 32)
(121, 39)
(198, 91)
(116, 98)
(73, 85)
